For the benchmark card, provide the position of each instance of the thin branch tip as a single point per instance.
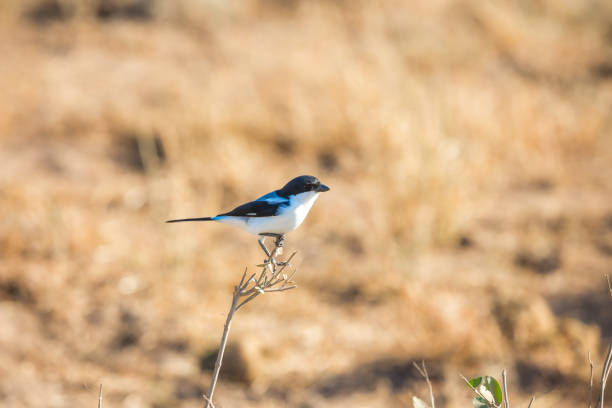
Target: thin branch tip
(423, 371)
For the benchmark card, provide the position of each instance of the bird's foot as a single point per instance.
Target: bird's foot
(280, 241)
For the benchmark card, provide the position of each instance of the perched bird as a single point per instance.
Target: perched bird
(275, 213)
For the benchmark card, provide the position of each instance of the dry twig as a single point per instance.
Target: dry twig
(271, 278)
(530, 402)
(605, 372)
(100, 397)
(206, 400)
(423, 371)
(505, 389)
(590, 381)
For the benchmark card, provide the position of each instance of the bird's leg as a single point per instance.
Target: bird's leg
(278, 246)
(261, 240)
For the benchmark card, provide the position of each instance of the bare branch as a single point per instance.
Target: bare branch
(247, 300)
(226, 328)
(257, 284)
(100, 397)
(424, 373)
(280, 289)
(467, 382)
(531, 402)
(246, 284)
(505, 389)
(209, 402)
(243, 276)
(286, 263)
(288, 280)
(605, 372)
(262, 276)
(590, 380)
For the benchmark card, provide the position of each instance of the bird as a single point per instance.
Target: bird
(273, 214)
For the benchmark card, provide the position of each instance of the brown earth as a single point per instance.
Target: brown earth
(468, 146)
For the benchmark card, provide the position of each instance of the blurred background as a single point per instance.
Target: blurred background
(467, 144)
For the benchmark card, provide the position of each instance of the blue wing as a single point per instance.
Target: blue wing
(273, 198)
(264, 206)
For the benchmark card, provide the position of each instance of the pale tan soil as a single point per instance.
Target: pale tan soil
(468, 147)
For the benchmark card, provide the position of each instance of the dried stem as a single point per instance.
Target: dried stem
(226, 328)
(270, 279)
(100, 397)
(423, 371)
(505, 389)
(530, 402)
(590, 381)
(605, 372)
(208, 401)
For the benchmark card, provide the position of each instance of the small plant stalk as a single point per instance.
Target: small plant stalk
(270, 279)
(505, 389)
(226, 329)
(605, 373)
(423, 371)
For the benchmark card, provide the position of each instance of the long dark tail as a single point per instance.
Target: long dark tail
(192, 219)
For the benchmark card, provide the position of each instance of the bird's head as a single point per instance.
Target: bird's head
(303, 184)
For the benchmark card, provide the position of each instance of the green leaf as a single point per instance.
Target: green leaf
(490, 390)
(493, 387)
(479, 402)
(475, 382)
(418, 403)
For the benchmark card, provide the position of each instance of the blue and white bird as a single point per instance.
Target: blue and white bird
(275, 213)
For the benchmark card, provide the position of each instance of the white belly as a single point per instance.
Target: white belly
(280, 224)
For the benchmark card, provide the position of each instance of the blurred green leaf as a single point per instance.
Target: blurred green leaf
(490, 390)
(475, 382)
(418, 403)
(480, 403)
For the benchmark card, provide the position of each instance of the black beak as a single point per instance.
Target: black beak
(322, 188)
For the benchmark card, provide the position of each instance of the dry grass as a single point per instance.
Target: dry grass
(468, 147)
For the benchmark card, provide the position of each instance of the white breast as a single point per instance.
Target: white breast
(299, 206)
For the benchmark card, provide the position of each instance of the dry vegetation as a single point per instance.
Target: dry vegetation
(468, 145)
